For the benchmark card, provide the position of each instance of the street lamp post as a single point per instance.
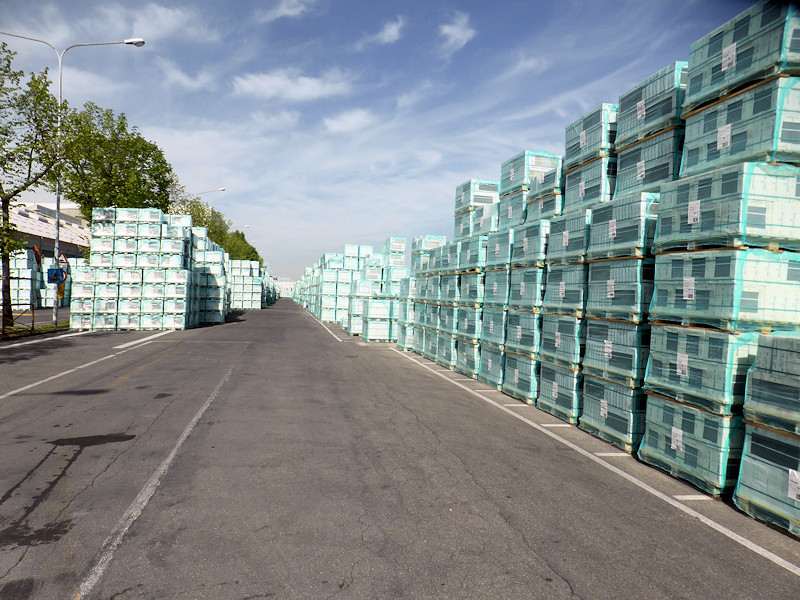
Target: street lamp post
(222, 189)
(138, 42)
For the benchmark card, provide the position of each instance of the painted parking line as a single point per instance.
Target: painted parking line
(739, 539)
(47, 339)
(611, 454)
(692, 497)
(333, 335)
(555, 425)
(147, 339)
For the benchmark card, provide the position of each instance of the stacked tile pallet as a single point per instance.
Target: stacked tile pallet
(381, 310)
(422, 249)
(26, 279)
(620, 276)
(726, 247)
(249, 286)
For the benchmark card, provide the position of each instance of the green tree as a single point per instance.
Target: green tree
(107, 164)
(28, 151)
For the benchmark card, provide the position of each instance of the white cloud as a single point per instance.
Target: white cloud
(416, 95)
(350, 121)
(289, 84)
(456, 34)
(160, 22)
(285, 8)
(391, 33)
(528, 65)
(277, 121)
(172, 74)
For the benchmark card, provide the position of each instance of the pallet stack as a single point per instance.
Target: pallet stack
(721, 277)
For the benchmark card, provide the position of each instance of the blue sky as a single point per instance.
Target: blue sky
(342, 121)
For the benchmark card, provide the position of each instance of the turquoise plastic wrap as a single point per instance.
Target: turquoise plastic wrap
(449, 289)
(485, 220)
(431, 344)
(616, 351)
(565, 290)
(547, 183)
(517, 172)
(408, 288)
(623, 227)
(418, 340)
(448, 319)
(468, 358)
(520, 377)
(773, 383)
(653, 105)
(425, 242)
(420, 263)
(471, 288)
(728, 289)
(560, 392)
(405, 336)
(495, 290)
(446, 351)
(620, 289)
(692, 444)
(451, 254)
(511, 210)
(435, 261)
(761, 124)
(650, 162)
(562, 340)
(463, 225)
(493, 326)
(613, 413)
(702, 367)
(432, 317)
(469, 323)
(569, 235)
(432, 288)
(476, 192)
(491, 367)
(751, 204)
(472, 256)
(498, 249)
(420, 315)
(526, 288)
(530, 244)
(378, 331)
(590, 136)
(769, 478)
(523, 332)
(590, 184)
(759, 42)
(544, 207)
(405, 311)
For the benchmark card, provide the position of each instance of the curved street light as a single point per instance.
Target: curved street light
(222, 189)
(138, 43)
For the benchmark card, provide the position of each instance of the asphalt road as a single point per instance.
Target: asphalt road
(274, 457)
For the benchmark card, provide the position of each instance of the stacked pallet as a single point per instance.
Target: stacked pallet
(720, 276)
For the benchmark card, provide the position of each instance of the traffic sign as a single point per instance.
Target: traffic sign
(56, 275)
(62, 261)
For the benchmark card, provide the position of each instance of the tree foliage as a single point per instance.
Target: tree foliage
(107, 164)
(28, 151)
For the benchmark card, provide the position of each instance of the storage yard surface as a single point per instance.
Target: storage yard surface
(274, 456)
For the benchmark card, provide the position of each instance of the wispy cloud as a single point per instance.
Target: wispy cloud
(525, 65)
(409, 99)
(291, 85)
(391, 33)
(285, 8)
(154, 22)
(286, 119)
(456, 34)
(350, 121)
(173, 74)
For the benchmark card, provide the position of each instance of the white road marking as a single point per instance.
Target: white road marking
(133, 343)
(555, 424)
(109, 547)
(324, 327)
(517, 405)
(611, 454)
(750, 545)
(692, 497)
(47, 339)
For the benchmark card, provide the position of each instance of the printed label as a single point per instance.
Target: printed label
(676, 442)
(724, 136)
(729, 56)
(469, 254)
(694, 212)
(489, 364)
(558, 339)
(604, 408)
(511, 174)
(640, 110)
(541, 178)
(519, 332)
(466, 290)
(640, 170)
(510, 212)
(612, 229)
(497, 246)
(516, 375)
(794, 485)
(562, 289)
(541, 203)
(491, 328)
(522, 288)
(524, 244)
(581, 189)
(608, 348)
(555, 389)
(565, 239)
(682, 365)
(583, 139)
(494, 288)
(610, 288)
(688, 288)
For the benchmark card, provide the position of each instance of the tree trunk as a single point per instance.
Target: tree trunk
(8, 316)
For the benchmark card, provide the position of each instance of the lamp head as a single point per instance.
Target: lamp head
(138, 42)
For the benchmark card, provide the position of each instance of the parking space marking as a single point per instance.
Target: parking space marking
(47, 339)
(147, 339)
(611, 454)
(692, 497)
(750, 545)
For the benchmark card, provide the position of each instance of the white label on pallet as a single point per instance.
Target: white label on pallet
(497, 245)
(583, 139)
(558, 339)
(522, 288)
(466, 323)
(794, 485)
(510, 211)
(491, 328)
(494, 288)
(676, 442)
(640, 114)
(541, 203)
(610, 288)
(581, 189)
(608, 349)
(555, 389)
(729, 56)
(519, 332)
(511, 173)
(604, 408)
(516, 375)
(524, 244)
(489, 364)
(724, 136)
(688, 288)
(541, 178)
(562, 289)
(640, 170)
(469, 254)
(682, 365)
(565, 239)
(694, 212)
(612, 229)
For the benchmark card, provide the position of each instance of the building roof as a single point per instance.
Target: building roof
(40, 221)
